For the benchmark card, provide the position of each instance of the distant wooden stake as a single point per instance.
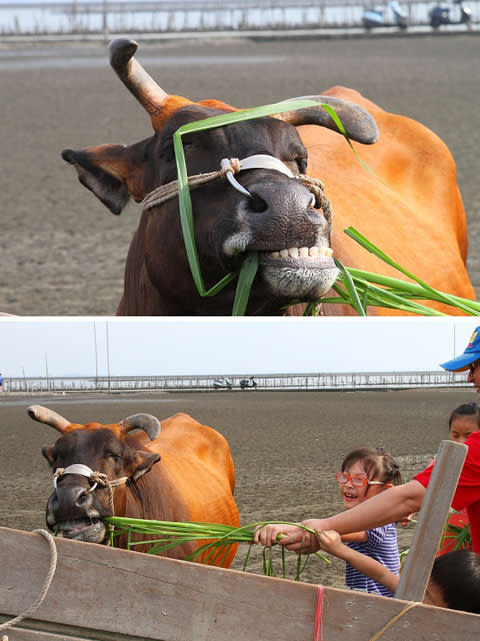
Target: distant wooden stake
(432, 519)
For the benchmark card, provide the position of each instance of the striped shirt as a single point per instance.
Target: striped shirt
(381, 546)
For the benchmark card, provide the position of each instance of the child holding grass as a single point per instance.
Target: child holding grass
(365, 472)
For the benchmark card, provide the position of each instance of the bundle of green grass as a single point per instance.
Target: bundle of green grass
(158, 537)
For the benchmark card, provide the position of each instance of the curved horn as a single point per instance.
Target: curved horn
(358, 123)
(44, 415)
(134, 76)
(145, 422)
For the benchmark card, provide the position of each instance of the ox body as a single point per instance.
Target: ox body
(408, 203)
(182, 471)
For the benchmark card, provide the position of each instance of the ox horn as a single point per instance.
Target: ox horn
(145, 422)
(358, 123)
(134, 77)
(44, 415)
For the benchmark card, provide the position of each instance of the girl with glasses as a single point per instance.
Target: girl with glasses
(366, 472)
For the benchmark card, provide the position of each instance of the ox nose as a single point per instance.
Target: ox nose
(71, 501)
(283, 208)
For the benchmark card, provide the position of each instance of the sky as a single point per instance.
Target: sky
(100, 346)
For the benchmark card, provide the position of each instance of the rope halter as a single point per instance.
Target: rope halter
(232, 166)
(97, 478)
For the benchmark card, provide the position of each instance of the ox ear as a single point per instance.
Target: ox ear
(102, 170)
(144, 463)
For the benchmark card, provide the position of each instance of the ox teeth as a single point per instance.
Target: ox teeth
(302, 252)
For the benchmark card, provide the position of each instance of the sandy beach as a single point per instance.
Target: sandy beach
(286, 447)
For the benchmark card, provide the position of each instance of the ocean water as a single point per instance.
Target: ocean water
(90, 16)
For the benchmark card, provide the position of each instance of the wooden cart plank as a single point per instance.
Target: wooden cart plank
(19, 634)
(431, 521)
(105, 593)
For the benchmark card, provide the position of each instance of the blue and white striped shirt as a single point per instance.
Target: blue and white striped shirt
(381, 546)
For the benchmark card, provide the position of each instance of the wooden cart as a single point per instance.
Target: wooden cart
(102, 593)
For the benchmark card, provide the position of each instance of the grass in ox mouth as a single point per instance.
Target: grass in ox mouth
(216, 540)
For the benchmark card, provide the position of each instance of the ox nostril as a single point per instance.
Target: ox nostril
(257, 204)
(83, 499)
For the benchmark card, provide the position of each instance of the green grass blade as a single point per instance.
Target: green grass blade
(244, 285)
(369, 246)
(350, 288)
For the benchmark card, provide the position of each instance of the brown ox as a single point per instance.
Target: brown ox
(181, 471)
(409, 204)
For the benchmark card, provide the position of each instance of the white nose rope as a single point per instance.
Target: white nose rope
(232, 166)
(84, 470)
(77, 468)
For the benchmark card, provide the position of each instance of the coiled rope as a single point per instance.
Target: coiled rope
(45, 588)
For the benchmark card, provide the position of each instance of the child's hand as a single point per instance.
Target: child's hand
(268, 534)
(330, 541)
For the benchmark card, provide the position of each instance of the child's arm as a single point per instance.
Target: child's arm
(330, 541)
(355, 537)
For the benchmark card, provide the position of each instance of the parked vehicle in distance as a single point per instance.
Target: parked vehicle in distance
(393, 15)
(222, 383)
(444, 14)
(245, 383)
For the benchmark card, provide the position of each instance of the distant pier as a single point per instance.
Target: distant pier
(196, 16)
(268, 382)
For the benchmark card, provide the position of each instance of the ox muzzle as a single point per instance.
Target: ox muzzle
(287, 222)
(75, 509)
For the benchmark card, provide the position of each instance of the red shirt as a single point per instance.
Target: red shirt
(467, 494)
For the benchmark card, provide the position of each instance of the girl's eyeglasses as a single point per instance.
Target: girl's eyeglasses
(356, 481)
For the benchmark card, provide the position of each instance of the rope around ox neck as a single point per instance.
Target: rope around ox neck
(231, 166)
(46, 584)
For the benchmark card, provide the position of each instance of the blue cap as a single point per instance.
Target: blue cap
(469, 356)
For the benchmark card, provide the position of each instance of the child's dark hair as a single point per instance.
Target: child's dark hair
(457, 575)
(377, 464)
(466, 409)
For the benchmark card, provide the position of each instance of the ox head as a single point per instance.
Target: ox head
(77, 506)
(278, 218)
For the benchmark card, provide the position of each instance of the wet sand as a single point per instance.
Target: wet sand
(63, 253)
(286, 447)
